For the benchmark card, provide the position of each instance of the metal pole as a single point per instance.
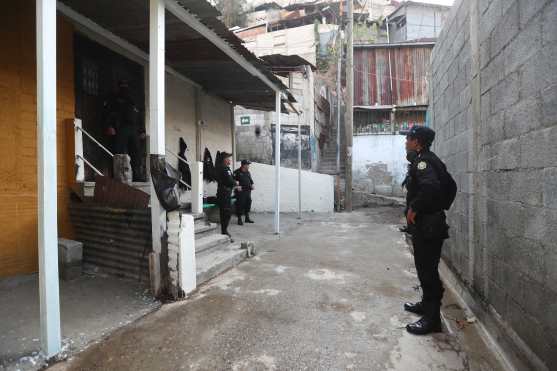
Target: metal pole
(339, 103)
(277, 163)
(47, 185)
(157, 132)
(306, 68)
(349, 105)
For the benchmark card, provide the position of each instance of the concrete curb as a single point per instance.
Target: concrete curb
(493, 332)
(507, 346)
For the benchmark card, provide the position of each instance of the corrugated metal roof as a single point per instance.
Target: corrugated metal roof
(372, 80)
(186, 50)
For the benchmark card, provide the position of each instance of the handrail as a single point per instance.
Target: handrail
(183, 160)
(90, 165)
(94, 140)
(177, 156)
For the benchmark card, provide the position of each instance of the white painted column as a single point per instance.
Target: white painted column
(156, 77)
(78, 149)
(47, 180)
(187, 265)
(299, 170)
(197, 187)
(277, 163)
(156, 124)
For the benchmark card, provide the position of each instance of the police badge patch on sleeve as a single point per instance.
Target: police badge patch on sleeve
(422, 165)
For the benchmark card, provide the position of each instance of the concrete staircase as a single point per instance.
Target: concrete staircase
(214, 252)
(328, 160)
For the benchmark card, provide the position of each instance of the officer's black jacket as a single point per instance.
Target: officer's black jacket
(244, 178)
(424, 185)
(225, 182)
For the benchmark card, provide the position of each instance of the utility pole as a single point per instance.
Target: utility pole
(349, 121)
(339, 103)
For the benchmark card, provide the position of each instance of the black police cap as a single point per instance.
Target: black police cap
(246, 162)
(422, 133)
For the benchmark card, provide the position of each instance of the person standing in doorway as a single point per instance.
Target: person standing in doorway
(122, 124)
(226, 184)
(243, 191)
(427, 185)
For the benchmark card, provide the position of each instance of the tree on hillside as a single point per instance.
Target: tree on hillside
(233, 12)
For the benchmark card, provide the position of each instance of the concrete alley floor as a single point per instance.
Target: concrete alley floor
(327, 295)
(91, 307)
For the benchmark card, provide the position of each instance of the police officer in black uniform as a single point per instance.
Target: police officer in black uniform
(243, 191)
(427, 225)
(226, 184)
(122, 124)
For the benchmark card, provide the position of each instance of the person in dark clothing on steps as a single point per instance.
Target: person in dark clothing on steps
(226, 184)
(243, 191)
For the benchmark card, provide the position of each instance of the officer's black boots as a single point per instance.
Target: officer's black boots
(416, 308)
(248, 220)
(424, 326)
(240, 222)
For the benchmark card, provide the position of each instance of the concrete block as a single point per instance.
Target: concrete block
(493, 73)
(484, 4)
(70, 256)
(549, 194)
(69, 251)
(505, 93)
(522, 117)
(485, 53)
(506, 29)
(529, 9)
(538, 72)
(495, 128)
(549, 106)
(549, 25)
(490, 19)
(527, 43)
(249, 246)
(550, 232)
(526, 187)
(538, 148)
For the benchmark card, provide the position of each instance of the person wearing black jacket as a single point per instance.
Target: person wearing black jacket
(243, 191)
(226, 184)
(427, 224)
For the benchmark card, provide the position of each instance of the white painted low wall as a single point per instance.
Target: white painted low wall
(379, 164)
(317, 190)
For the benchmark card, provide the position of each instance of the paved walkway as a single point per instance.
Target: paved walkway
(327, 295)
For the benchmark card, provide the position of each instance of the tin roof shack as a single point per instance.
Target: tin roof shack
(390, 94)
(414, 20)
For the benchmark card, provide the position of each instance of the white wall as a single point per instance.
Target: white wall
(317, 190)
(180, 117)
(379, 163)
(180, 122)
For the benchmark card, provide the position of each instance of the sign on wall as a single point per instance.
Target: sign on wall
(245, 120)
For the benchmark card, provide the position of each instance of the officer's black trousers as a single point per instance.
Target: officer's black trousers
(243, 203)
(427, 253)
(225, 215)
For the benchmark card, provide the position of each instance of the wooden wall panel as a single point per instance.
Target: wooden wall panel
(18, 136)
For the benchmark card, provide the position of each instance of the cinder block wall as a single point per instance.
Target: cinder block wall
(494, 106)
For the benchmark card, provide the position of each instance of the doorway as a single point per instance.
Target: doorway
(99, 73)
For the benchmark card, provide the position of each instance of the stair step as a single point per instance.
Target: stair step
(210, 242)
(210, 265)
(205, 230)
